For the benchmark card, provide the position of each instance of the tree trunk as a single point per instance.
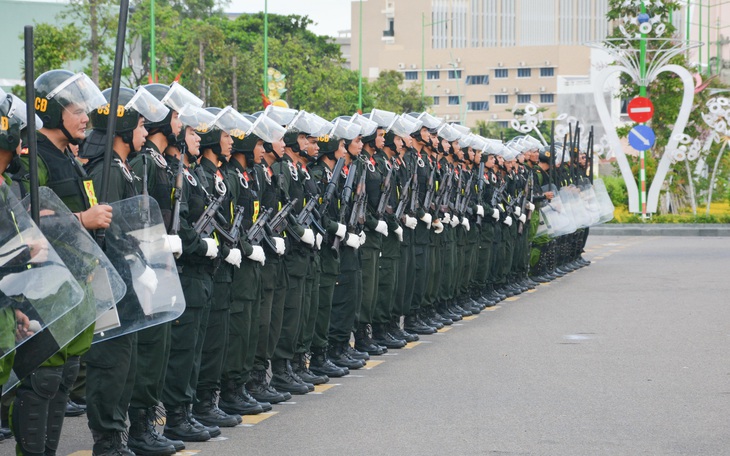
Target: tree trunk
(234, 81)
(692, 199)
(714, 176)
(201, 65)
(94, 43)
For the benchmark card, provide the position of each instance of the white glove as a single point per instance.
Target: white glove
(352, 240)
(465, 222)
(508, 221)
(362, 237)
(212, 251)
(523, 218)
(438, 227)
(427, 220)
(446, 219)
(399, 232)
(480, 210)
(382, 228)
(258, 253)
(318, 241)
(411, 222)
(175, 244)
(341, 231)
(280, 245)
(234, 258)
(454, 221)
(308, 236)
(495, 213)
(518, 211)
(148, 279)
(530, 206)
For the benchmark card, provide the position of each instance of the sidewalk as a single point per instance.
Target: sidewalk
(661, 229)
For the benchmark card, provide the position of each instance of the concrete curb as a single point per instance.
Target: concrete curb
(660, 229)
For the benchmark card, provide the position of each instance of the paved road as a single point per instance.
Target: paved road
(626, 357)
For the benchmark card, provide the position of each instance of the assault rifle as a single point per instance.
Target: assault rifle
(357, 215)
(428, 199)
(206, 222)
(278, 222)
(404, 198)
(329, 192)
(480, 190)
(385, 195)
(257, 232)
(442, 201)
(177, 197)
(345, 202)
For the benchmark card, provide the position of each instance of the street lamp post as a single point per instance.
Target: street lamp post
(423, 52)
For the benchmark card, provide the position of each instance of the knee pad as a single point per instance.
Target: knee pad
(30, 409)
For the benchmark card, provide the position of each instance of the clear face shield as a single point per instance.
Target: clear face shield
(281, 115)
(267, 128)
(178, 97)
(405, 125)
(147, 106)
(19, 110)
(429, 121)
(79, 91)
(232, 122)
(368, 126)
(344, 129)
(196, 117)
(448, 133)
(384, 119)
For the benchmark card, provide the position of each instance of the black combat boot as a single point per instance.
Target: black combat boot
(177, 426)
(109, 443)
(415, 325)
(233, 401)
(320, 364)
(400, 333)
(258, 387)
(383, 337)
(283, 380)
(143, 438)
(364, 342)
(299, 366)
(206, 411)
(337, 353)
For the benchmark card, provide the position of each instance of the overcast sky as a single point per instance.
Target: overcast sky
(329, 16)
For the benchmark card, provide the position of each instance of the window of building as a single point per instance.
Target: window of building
(501, 99)
(524, 98)
(547, 98)
(524, 72)
(411, 75)
(454, 99)
(454, 74)
(503, 123)
(479, 79)
(433, 74)
(547, 72)
(436, 100)
(477, 105)
(390, 30)
(501, 73)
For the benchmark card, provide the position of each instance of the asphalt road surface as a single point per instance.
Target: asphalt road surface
(626, 357)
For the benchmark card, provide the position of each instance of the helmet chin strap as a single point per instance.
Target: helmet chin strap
(68, 136)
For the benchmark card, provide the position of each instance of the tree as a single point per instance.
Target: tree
(388, 95)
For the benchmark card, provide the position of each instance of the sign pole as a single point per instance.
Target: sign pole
(642, 92)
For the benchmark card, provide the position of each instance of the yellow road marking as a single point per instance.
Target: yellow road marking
(470, 317)
(491, 309)
(187, 452)
(512, 298)
(256, 419)
(323, 388)
(372, 364)
(444, 329)
(81, 453)
(599, 258)
(410, 345)
(532, 291)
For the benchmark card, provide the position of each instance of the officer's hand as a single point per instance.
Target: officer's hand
(465, 223)
(352, 240)
(308, 237)
(175, 244)
(508, 221)
(212, 251)
(97, 217)
(495, 213)
(454, 221)
(530, 206)
(280, 245)
(318, 241)
(38, 250)
(258, 254)
(362, 237)
(549, 195)
(480, 210)
(518, 211)
(23, 329)
(523, 218)
(148, 279)
(446, 219)
(438, 227)
(427, 219)
(382, 228)
(234, 257)
(341, 231)
(411, 222)
(399, 232)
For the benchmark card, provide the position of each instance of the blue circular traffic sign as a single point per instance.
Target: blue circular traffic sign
(642, 137)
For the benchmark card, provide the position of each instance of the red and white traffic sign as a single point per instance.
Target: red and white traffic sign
(640, 109)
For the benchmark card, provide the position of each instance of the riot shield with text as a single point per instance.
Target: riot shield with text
(34, 283)
(136, 244)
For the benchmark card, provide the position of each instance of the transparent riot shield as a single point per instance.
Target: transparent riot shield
(570, 197)
(556, 214)
(590, 202)
(604, 201)
(34, 284)
(137, 246)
